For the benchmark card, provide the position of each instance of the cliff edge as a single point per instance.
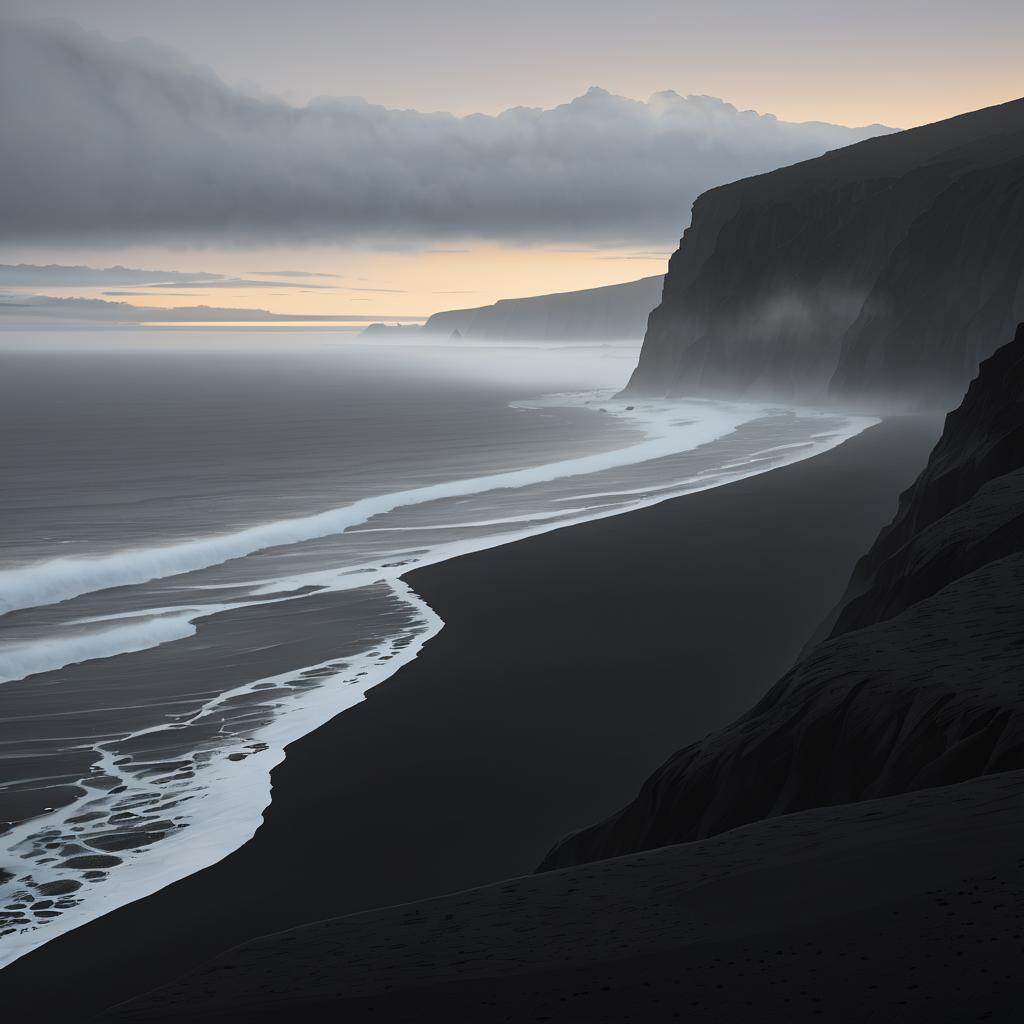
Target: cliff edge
(614, 312)
(880, 272)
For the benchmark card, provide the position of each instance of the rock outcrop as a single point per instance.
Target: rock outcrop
(918, 683)
(882, 271)
(613, 313)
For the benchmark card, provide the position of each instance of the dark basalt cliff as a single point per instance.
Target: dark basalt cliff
(612, 313)
(965, 510)
(880, 271)
(919, 681)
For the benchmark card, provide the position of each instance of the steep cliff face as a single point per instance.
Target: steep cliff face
(612, 313)
(882, 270)
(919, 681)
(955, 282)
(966, 509)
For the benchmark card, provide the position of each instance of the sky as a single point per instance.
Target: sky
(239, 139)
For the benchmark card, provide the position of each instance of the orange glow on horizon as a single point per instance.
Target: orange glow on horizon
(379, 284)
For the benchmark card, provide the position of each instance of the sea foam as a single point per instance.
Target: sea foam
(20, 660)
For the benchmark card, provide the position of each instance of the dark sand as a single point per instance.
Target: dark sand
(571, 665)
(905, 909)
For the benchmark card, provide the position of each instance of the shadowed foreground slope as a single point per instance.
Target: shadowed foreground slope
(901, 910)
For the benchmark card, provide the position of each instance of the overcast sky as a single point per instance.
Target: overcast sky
(900, 62)
(244, 134)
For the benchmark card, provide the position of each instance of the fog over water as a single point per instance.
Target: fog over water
(201, 549)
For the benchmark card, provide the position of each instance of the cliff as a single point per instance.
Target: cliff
(918, 681)
(880, 271)
(612, 313)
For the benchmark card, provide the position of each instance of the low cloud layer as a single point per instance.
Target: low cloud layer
(56, 275)
(43, 308)
(108, 142)
(241, 282)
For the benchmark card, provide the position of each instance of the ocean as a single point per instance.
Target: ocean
(203, 537)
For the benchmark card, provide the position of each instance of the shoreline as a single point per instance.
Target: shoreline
(425, 785)
(309, 627)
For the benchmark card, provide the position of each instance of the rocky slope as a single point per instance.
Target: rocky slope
(883, 270)
(612, 313)
(918, 683)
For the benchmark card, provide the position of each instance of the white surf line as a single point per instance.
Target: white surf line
(20, 660)
(730, 467)
(418, 558)
(60, 579)
(469, 524)
(161, 626)
(226, 809)
(167, 624)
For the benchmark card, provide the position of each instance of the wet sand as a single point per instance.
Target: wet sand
(570, 666)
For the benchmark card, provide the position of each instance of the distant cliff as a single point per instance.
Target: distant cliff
(883, 270)
(612, 313)
(918, 683)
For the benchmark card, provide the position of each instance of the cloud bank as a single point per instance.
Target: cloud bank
(115, 142)
(35, 308)
(56, 275)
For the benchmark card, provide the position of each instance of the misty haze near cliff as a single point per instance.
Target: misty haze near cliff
(126, 141)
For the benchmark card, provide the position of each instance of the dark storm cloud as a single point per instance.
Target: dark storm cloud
(116, 142)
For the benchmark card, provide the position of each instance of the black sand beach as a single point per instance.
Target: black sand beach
(570, 666)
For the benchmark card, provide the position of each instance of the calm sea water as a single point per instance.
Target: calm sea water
(202, 542)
